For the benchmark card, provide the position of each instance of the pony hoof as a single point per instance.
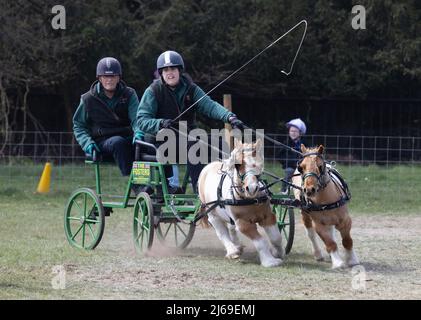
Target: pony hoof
(351, 264)
(233, 256)
(318, 256)
(339, 266)
(272, 263)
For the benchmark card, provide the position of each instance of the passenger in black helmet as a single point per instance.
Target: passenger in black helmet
(173, 93)
(105, 119)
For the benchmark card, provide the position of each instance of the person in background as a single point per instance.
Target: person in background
(296, 129)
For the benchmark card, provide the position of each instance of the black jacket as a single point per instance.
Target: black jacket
(289, 158)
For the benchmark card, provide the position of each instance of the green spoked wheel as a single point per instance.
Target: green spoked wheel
(286, 224)
(143, 227)
(175, 234)
(84, 219)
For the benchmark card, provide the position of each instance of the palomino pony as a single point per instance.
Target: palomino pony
(239, 203)
(324, 195)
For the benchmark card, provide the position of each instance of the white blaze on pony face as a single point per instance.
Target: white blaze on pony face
(311, 169)
(246, 161)
(251, 167)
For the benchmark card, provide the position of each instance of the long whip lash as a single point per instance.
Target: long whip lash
(240, 69)
(251, 60)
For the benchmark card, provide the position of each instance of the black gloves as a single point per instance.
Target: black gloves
(165, 123)
(236, 123)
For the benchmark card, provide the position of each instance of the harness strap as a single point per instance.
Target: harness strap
(294, 203)
(227, 202)
(309, 206)
(244, 202)
(219, 190)
(344, 185)
(213, 204)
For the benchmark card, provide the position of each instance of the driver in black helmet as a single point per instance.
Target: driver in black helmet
(106, 116)
(173, 93)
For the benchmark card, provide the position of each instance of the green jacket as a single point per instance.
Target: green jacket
(81, 122)
(148, 106)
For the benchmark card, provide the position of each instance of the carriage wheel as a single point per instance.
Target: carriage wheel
(84, 219)
(175, 234)
(286, 224)
(143, 227)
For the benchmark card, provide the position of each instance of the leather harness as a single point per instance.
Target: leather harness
(221, 202)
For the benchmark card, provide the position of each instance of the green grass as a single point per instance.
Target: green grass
(374, 189)
(379, 189)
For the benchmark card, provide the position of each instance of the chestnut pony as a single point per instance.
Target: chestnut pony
(324, 195)
(236, 181)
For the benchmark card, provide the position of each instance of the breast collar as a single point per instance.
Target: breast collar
(233, 201)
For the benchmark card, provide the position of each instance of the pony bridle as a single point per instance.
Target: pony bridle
(320, 181)
(243, 176)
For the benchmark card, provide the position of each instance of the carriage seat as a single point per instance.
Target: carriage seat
(98, 157)
(108, 158)
(145, 151)
(147, 157)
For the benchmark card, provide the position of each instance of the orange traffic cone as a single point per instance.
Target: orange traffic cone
(44, 182)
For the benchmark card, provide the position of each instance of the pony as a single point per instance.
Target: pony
(323, 196)
(240, 202)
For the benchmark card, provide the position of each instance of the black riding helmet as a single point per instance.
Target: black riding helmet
(108, 66)
(169, 59)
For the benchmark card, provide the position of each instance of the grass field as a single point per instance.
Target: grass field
(382, 189)
(385, 207)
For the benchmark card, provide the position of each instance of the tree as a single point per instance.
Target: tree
(215, 38)
(35, 56)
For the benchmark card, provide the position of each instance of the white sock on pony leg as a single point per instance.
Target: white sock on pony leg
(223, 235)
(351, 258)
(337, 261)
(275, 238)
(234, 237)
(317, 252)
(266, 257)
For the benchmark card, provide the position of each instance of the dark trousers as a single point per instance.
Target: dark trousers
(289, 172)
(194, 172)
(121, 149)
(194, 169)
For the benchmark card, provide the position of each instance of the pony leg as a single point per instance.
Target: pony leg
(325, 233)
(351, 258)
(311, 234)
(274, 235)
(261, 244)
(234, 237)
(222, 232)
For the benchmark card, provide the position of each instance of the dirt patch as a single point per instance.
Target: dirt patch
(389, 248)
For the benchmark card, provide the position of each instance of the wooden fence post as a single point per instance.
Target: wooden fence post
(228, 106)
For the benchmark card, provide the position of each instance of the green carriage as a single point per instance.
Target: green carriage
(172, 217)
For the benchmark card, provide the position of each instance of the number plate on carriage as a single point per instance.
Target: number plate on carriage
(140, 173)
